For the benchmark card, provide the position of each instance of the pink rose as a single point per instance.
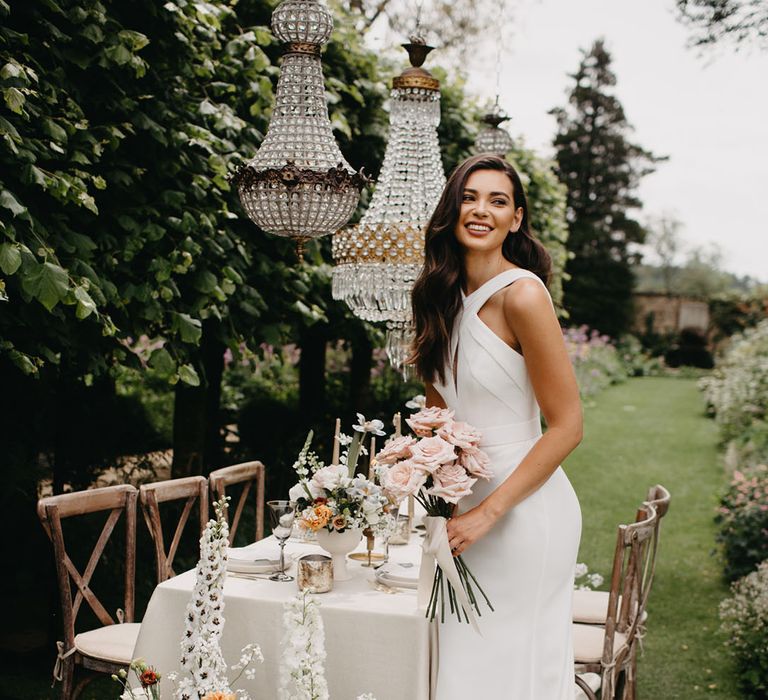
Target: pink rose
(428, 419)
(476, 462)
(396, 449)
(403, 479)
(431, 452)
(462, 435)
(451, 483)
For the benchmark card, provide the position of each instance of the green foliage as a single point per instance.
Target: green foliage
(116, 216)
(601, 169)
(738, 394)
(547, 204)
(743, 521)
(744, 619)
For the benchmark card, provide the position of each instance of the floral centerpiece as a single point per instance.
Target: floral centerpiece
(438, 468)
(336, 499)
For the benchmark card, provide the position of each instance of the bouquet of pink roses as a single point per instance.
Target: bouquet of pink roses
(438, 468)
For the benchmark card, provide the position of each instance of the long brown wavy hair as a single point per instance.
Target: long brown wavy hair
(436, 296)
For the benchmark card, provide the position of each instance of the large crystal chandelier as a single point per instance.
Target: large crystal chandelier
(378, 260)
(298, 183)
(492, 138)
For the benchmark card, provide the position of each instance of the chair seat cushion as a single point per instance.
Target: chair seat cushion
(588, 643)
(110, 643)
(590, 607)
(593, 680)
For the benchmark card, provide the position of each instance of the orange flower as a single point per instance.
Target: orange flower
(218, 695)
(317, 517)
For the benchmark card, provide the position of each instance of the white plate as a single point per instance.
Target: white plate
(239, 561)
(257, 566)
(396, 579)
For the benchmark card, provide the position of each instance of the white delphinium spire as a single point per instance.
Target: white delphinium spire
(302, 670)
(201, 657)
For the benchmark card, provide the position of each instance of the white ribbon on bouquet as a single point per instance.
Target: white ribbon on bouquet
(436, 548)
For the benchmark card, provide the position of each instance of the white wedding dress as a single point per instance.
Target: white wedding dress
(526, 562)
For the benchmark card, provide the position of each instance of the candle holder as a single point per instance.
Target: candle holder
(315, 573)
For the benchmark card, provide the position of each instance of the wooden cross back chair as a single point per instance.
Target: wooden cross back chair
(109, 648)
(608, 650)
(193, 489)
(591, 607)
(249, 474)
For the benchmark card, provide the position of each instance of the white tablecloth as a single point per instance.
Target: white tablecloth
(376, 642)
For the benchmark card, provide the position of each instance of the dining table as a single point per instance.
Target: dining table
(377, 640)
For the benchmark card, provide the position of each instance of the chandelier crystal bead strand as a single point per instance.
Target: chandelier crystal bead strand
(492, 138)
(377, 261)
(298, 184)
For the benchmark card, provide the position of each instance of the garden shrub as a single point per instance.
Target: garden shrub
(737, 393)
(743, 521)
(595, 360)
(744, 620)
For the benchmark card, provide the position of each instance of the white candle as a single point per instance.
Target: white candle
(335, 458)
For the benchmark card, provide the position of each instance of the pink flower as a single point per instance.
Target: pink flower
(403, 479)
(396, 449)
(476, 462)
(431, 452)
(462, 435)
(428, 419)
(451, 483)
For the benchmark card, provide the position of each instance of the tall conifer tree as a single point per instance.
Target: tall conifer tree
(601, 169)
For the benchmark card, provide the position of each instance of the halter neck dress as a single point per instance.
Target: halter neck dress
(526, 563)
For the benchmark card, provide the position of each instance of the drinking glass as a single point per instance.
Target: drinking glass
(281, 517)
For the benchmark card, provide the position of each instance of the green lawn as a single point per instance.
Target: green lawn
(642, 432)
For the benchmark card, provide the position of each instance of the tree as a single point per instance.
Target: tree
(715, 21)
(458, 29)
(601, 169)
(665, 242)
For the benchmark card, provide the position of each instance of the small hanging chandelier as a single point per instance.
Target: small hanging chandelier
(378, 260)
(492, 138)
(298, 183)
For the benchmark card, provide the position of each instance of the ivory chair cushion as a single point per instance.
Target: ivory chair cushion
(110, 643)
(591, 607)
(588, 643)
(593, 680)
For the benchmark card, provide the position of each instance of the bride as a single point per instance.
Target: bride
(488, 346)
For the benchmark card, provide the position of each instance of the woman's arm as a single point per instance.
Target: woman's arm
(531, 318)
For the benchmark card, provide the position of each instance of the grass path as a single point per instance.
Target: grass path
(642, 432)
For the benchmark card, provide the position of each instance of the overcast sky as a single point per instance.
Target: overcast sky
(708, 112)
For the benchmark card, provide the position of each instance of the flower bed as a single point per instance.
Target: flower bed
(743, 520)
(744, 619)
(737, 393)
(595, 359)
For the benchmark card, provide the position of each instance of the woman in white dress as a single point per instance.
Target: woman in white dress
(489, 346)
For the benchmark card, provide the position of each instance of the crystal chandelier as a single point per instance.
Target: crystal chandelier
(378, 260)
(298, 183)
(492, 138)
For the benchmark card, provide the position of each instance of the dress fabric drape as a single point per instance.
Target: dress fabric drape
(526, 562)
